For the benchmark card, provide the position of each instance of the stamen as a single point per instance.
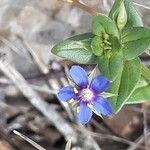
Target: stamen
(90, 105)
(71, 101)
(75, 90)
(78, 109)
(86, 95)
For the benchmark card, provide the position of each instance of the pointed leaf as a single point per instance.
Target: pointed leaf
(114, 88)
(143, 82)
(77, 49)
(110, 67)
(104, 25)
(129, 79)
(140, 95)
(135, 40)
(113, 14)
(133, 17)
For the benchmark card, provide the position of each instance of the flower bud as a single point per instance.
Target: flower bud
(122, 17)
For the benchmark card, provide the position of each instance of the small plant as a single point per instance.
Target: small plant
(115, 43)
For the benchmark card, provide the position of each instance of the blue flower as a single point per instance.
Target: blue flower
(86, 94)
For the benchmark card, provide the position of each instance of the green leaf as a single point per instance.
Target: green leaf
(118, 13)
(133, 17)
(113, 14)
(114, 88)
(122, 17)
(140, 95)
(135, 33)
(135, 40)
(129, 79)
(104, 25)
(142, 92)
(97, 45)
(77, 49)
(111, 62)
(142, 82)
(115, 44)
(110, 67)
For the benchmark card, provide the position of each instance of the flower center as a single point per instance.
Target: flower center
(87, 95)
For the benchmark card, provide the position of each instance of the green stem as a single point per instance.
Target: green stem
(145, 72)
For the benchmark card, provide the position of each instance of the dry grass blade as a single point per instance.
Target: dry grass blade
(105, 136)
(138, 142)
(34, 144)
(42, 66)
(82, 6)
(68, 145)
(11, 46)
(145, 127)
(5, 81)
(140, 5)
(45, 69)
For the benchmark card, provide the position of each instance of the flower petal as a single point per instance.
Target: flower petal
(85, 113)
(103, 106)
(79, 76)
(99, 84)
(66, 93)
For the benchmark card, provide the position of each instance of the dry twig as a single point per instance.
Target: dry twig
(82, 6)
(34, 144)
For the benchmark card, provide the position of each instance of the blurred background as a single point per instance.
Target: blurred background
(30, 76)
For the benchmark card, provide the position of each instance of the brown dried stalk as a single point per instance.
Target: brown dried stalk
(82, 6)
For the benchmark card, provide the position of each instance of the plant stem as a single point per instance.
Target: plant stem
(83, 7)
